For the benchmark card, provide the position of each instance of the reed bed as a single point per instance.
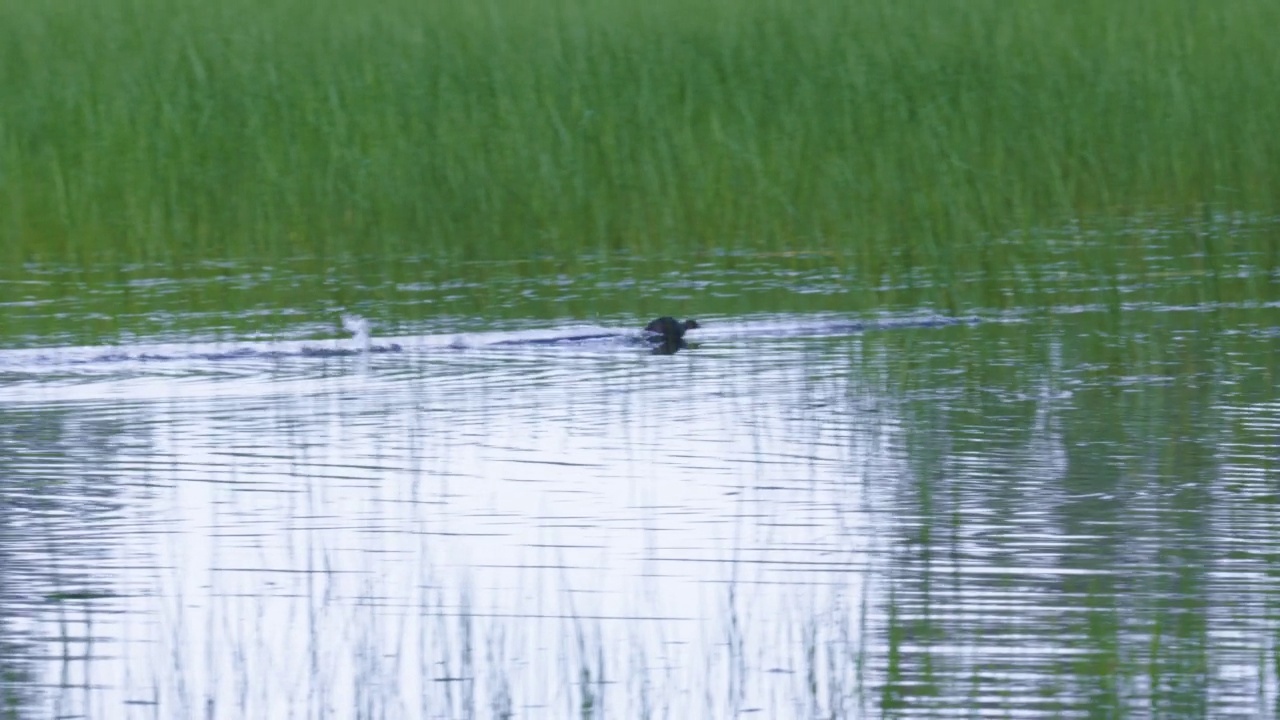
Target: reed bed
(886, 135)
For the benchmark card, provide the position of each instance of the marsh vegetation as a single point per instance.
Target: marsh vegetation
(1067, 508)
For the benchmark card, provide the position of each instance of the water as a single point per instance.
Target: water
(1063, 511)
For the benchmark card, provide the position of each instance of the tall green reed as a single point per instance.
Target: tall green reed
(886, 134)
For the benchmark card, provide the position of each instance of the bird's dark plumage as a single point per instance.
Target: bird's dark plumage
(669, 333)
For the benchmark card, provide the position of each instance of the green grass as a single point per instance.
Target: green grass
(888, 134)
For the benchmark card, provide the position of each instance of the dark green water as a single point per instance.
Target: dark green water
(1070, 508)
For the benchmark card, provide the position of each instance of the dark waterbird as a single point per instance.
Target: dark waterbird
(668, 333)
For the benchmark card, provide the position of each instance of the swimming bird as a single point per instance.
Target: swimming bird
(668, 332)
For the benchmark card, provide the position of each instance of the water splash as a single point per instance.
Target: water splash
(360, 329)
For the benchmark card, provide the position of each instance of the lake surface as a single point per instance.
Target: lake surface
(1068, 508)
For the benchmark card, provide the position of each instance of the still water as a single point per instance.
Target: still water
(1069, 512)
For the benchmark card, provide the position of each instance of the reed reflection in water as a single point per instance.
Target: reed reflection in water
(796, 527)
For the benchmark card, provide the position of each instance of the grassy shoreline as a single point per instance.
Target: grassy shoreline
(172, 131)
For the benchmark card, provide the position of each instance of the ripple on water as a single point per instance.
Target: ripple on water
(784, 519)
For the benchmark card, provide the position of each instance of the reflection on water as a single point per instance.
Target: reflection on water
(1022, 517)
